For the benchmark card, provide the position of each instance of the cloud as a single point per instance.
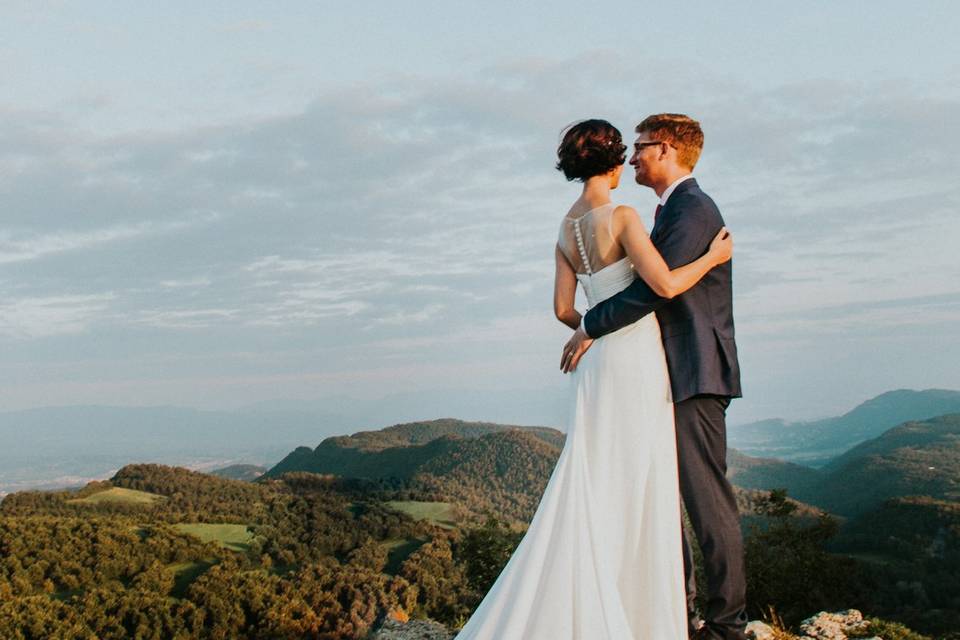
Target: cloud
(14, 249)
(437, 183)
(188, 319)
(421, 212)
(405, 318)
(200, 281)
(41, 317)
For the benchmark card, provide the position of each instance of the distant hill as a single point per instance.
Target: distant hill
(816, 443)
(501, 469)
(426, 431)
(918, 458)
(398, 451)
(503, 473)
(748, 472)
(491, 468)
(248, 472)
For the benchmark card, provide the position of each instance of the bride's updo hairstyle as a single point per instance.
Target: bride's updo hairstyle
(590, 148)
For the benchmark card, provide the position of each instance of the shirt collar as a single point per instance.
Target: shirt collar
(670, 189)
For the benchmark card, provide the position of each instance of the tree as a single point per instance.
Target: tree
(789, 569)
(485, 552)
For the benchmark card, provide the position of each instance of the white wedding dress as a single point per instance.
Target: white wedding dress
(602, 557)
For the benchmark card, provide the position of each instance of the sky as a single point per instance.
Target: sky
(234, 204)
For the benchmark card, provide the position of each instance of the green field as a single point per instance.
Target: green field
(232, 536)
(120, 495)
(439, 513)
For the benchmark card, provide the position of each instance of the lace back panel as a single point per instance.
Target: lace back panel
(587, 240)
(588, 244)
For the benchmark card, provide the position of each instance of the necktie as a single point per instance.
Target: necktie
(657, 213)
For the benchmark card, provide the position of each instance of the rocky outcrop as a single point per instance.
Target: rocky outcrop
(834, 626)
(822, 626)
(412, 630)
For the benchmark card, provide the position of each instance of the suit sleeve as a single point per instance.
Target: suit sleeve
(683, 241)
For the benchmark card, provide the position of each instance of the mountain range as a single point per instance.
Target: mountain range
(918, 457)
(68, 446)
(816, 443)
(485, 468)
(480, 460)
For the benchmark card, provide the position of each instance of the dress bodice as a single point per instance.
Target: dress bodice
(585, 240)
(610, 280)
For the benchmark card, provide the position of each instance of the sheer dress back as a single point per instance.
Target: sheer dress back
(586, 241)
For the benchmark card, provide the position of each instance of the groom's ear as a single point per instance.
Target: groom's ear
(665, 151)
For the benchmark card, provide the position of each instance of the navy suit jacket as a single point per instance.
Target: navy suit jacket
(697, 325)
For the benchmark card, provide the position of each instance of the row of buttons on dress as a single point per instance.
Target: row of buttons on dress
(583, 252)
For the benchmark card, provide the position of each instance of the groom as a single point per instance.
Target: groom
(697, 331)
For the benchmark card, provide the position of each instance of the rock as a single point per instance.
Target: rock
(833, 626)
(757, 630)
(412, 630)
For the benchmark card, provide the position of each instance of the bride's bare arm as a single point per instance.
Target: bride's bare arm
(649, 264)
(564, 292)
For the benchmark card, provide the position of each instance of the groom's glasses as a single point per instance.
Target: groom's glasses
(640, 145)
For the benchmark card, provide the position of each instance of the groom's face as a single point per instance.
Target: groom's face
(646, 152)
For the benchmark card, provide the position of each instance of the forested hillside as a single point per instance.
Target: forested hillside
(293, 558)
(484, 468)
(915, 458)
(417, 523)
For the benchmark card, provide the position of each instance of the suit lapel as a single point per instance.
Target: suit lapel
(667, 214)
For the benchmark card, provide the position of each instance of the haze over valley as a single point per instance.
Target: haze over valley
(59, 447)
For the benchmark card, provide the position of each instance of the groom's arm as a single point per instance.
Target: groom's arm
(685, 240)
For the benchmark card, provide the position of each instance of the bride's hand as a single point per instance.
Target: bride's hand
(576, 346)
(722, 246)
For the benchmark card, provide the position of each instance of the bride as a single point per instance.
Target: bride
(602, 558)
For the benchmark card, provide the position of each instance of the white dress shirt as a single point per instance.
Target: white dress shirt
(669, 190)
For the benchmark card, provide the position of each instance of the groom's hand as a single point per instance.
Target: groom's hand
(574, 350)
